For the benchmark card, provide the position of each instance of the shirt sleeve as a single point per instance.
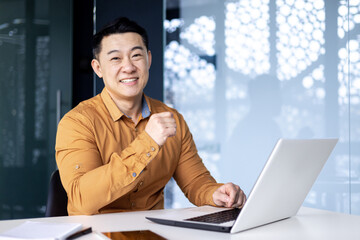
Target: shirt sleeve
(84, 175)
(191, 174)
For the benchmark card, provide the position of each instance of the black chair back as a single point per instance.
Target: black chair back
(57, 197)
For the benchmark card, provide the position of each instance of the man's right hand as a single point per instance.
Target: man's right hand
(161, 126)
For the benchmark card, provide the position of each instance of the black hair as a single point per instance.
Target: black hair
(119, 25)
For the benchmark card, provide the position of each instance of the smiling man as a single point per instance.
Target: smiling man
(117, 150)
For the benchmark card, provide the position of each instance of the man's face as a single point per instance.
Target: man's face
(124, 64)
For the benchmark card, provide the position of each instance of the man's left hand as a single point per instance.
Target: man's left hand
(229, 195)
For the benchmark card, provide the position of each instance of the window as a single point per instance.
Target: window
(245, 73)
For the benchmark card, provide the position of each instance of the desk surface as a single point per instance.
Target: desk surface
(307, 224)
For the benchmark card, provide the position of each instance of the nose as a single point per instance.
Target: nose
(128, 66)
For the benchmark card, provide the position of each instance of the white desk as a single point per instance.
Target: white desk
(308, 224)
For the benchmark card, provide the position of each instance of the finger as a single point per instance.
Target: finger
(235, 202)
(244, 198)
(220, 198)
(164, 121)
(238, 198)
(232, 192)
(163, 114)
(169, 131)
(168, 122)
(241, 200)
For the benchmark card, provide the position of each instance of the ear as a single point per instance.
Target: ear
(95, 64)
(149, 59)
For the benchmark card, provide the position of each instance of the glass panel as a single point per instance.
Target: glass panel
(27, 107)
(350, 17)
(245, 73)
(24, 54)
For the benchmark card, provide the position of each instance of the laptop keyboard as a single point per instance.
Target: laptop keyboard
(218, 217)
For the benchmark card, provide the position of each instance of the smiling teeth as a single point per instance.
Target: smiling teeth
(128, 80)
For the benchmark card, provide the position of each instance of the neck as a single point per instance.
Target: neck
(130, 107)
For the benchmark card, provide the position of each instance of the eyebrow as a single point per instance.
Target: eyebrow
(134, 48)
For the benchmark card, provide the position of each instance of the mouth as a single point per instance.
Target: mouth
(128, 80)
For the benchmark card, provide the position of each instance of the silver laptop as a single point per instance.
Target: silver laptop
(278, 193)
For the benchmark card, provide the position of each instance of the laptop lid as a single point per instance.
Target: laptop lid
(284, 182)
(278, 193)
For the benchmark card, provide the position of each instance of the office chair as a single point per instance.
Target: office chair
(57, 198)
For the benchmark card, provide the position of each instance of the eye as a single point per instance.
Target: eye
(115, 58)
(137, 55)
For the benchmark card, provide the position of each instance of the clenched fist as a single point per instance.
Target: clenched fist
(161, 126)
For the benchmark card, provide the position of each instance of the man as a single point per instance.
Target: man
(117, 150)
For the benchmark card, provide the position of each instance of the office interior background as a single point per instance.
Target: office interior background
(243, 73)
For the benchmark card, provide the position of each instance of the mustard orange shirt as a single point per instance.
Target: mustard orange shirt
(109, 164)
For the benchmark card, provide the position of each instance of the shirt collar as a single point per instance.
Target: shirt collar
(115, 112)
(145, 107)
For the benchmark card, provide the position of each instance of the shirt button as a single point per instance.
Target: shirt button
(77, 167)
(136, 129)
(152, 149)
(134, 174)
(132, 204)
(141, 183)
(148, 154)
